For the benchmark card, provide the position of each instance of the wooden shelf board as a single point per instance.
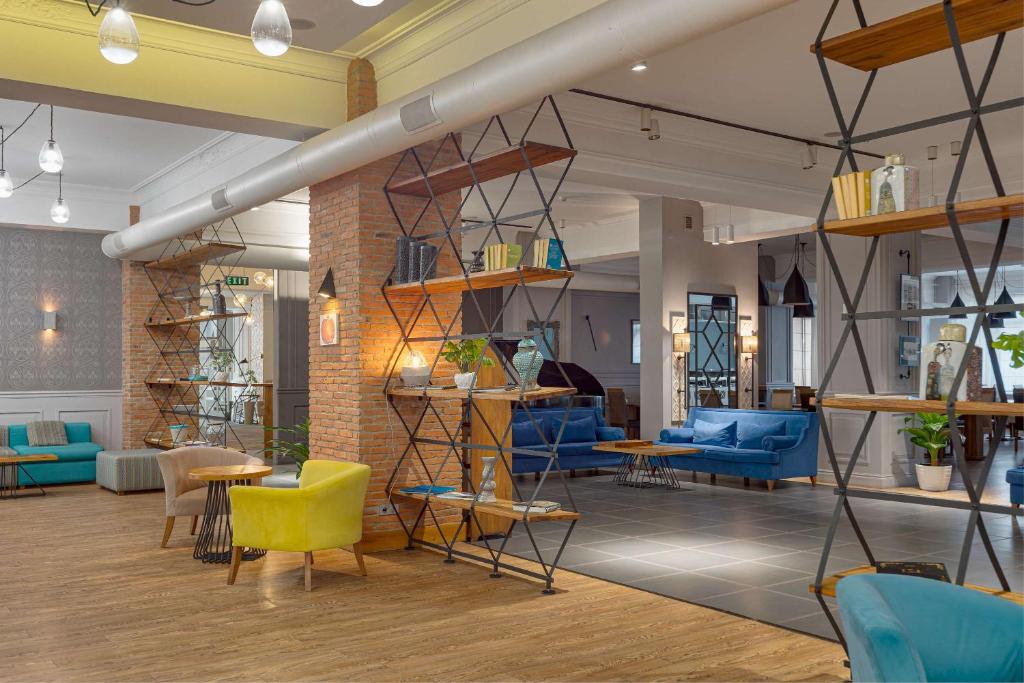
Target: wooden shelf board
(194, 257)
(178, 322)
(905, 405)
(483, 394)
(973, 211)
(828, 585)
(168, 444)
(188, 383)
(505, 277)
(922, 32)
(500, 508)
(502, 162)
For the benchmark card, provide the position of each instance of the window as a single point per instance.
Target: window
(804, 372)
(636, 342)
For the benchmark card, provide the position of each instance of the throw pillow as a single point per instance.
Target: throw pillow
(676, 435)
(524, 433)
(610, 433)
(583, 430)
(714, 433)
(778, 443)
(47, 433)
(750, 435)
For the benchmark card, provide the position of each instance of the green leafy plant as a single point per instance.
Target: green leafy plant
(932, 434)
(1014, 343)
(249, 376)
(222, 361)
(464, 354)
(297, 450)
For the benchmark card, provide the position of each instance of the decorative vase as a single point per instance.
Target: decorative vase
(179, 433)
(428, 261)
(894, 186)
(931, 478)
(220, 376)
(940, 361)
(477, 264)
(487, 483)
(465, 380)
(401, 275)
(527, 362)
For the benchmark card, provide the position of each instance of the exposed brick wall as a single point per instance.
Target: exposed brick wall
(361, 88)
(353, 231)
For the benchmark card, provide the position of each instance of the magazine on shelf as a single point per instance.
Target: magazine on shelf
(538, 507)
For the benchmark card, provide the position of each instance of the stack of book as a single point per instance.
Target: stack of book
(852, 193)
(499, 256)
(547, 253)
(539, 507)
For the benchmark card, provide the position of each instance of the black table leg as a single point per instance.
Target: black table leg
(9, 482)
(213, 546)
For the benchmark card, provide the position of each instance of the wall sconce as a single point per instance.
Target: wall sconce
(327, 286)
(50, 320)
(748, 344)
(680, 379)
(681, 342)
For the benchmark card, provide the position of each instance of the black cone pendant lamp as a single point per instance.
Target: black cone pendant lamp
(804, 311)
(796, 292)
(957, 302)
(1004, 300)
(995, 322)
(762, 291)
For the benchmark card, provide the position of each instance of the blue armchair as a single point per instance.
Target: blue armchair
(904, 628)
(763, 444)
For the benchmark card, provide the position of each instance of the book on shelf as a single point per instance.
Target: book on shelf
(457, 495)
(925, 570)
(547, 253)
(538, 507)
(499, 256)
(852, 194)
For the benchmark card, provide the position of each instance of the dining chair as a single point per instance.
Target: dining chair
(184, 496)
(782, 399)
(615, 407)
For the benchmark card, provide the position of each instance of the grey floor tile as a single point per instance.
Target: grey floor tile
(623, 570)
(576, 555)
(689, 586)
(630, 547)
(633, 528)
(685, 538)
(815, 624)
(765, 605)
(581, 535)
(746, 550)
(754, 574)
(798, 588)
(688, 559)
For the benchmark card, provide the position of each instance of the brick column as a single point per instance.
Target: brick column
(352, 231)
(362, 88)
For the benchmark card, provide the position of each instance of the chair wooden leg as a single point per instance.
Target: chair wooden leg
(746, 481)
(357, 550)
(195, 521)
(1016, 506)
(771, 484)
(236, 559)
(693, 475)
(814, 481)
(168, 525)
(714, 478)
(309, 571)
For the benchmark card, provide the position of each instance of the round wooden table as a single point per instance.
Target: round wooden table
(214, 542)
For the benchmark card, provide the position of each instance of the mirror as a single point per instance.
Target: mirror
(711, 362)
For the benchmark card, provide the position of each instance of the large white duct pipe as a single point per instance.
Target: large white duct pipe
(611, 35)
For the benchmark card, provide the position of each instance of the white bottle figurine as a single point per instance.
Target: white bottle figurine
(894, 186)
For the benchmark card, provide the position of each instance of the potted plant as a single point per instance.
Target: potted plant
(932, 434)
(1014, 343)
(296, 450)
(464, 355)
(221, 362)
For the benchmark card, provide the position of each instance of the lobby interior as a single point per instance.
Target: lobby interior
(518, 340)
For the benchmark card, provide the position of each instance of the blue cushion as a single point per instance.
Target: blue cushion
(576, 431)
(750, 434)
(1015, 475)
(778, 443)
(70, 453)
(714, 434)
(611, 433)
(524, 433)
(676, 435)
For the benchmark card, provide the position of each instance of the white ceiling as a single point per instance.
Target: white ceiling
(336, 22)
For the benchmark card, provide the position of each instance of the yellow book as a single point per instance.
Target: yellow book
(837, 195)
(540, 251)
(866, 182)
(850, 192)
(858, 180)
(504, 256)
(487, 257)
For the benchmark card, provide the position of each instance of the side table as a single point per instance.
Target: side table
(9, 466)
(644, 463)
(214, 542)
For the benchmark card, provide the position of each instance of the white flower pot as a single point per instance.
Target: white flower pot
(933, 478)
(220, 376)
(465, 380)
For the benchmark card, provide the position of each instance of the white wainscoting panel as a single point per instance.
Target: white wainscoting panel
(100, 408)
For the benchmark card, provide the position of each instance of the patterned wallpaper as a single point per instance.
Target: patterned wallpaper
(66, 272)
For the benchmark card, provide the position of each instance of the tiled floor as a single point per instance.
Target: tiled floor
(751, 552)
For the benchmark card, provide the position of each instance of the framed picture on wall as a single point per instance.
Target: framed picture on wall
(910, 294)
(328, 329)
(635, 344)
(910, 351)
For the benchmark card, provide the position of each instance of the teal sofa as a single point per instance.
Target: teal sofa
(905, 628)
(75, 462)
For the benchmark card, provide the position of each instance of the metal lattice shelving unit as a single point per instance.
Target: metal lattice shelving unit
(518, 161)
(942, 26)
(183, 337)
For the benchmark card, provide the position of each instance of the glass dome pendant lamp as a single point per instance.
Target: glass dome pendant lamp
(271, 29)
(51, 160)
(60, 212)
(6, 184)
(119, 39)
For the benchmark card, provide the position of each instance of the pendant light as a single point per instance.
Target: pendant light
(995, 322)
(957, 302)
(327, 290)
(60, 212)
(1004, 300)
(762, 290)
(796, 292)
(119, 39)
(271, 30)
(804, 311)
(6, 184)
(50, 158)
(367, 3)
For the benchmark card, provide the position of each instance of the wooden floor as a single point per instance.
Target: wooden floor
(86, 594)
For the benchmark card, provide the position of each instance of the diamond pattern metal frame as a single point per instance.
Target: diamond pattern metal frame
(457, 440)
(181, 345)
(975, 130)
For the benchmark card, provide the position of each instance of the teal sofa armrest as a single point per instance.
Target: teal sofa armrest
(78, 432)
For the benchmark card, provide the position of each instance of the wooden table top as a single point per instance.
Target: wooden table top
(230, 472)
(39, 457)
(647, 450)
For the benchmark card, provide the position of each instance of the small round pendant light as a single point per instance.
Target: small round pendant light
(60, 212)
(119, 39)
(51, 160)
(271, 30)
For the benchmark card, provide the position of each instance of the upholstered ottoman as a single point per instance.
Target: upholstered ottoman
(131, 470)
(1015, 478)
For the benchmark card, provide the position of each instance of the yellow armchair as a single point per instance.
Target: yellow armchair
(326, 511)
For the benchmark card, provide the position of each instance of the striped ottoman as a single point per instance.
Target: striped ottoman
(132, 470)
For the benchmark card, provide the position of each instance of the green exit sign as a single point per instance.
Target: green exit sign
(237, 280)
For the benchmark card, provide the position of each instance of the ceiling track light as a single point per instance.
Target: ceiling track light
(119, 39)
(655, 132)
(271, 30)
(645, 120)
(715, 237)
(51, 160)
(730, 234)
(60, 212)
(808, 157)
(6, 184)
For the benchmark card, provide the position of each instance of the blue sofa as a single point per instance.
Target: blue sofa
(905, 628)
(1015, 478)
(75, 462)
(789, 450)
(575, 451)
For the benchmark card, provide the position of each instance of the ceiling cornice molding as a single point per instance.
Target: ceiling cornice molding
(433, 14)
(219, 141)
(71, 16)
